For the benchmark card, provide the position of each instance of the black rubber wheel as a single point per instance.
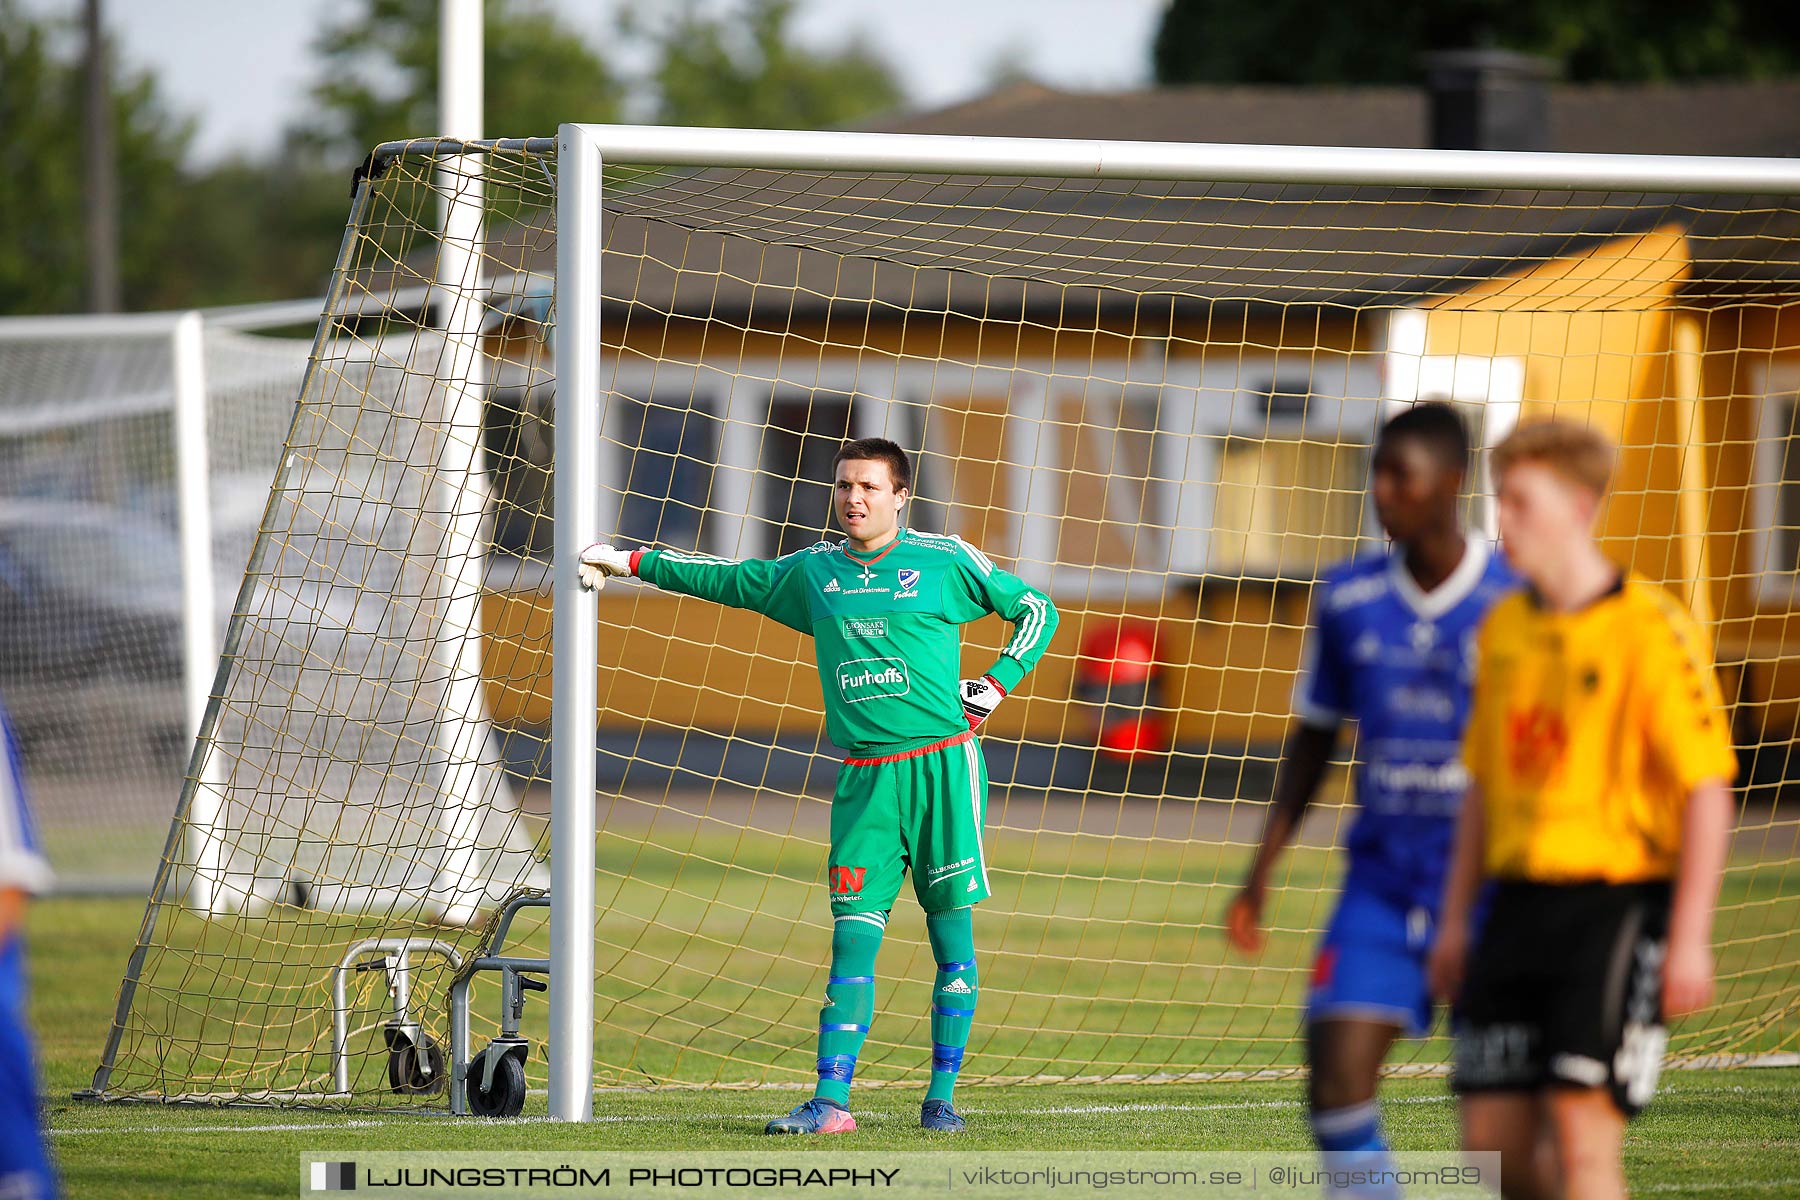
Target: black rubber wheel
(417, 1070)
(507, 1097)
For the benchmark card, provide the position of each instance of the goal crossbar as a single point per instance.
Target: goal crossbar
(1210, 162)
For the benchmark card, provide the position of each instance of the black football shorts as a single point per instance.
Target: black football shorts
(1564, 989)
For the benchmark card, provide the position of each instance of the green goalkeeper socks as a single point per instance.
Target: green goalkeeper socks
(953, 996)
(849, 1001)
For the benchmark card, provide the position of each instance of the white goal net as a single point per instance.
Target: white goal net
(94, 580)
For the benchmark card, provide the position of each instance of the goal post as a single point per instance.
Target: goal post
(574, 685)
(1144, 376)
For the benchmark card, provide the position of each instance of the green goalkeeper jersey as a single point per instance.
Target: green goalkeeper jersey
(885, 625)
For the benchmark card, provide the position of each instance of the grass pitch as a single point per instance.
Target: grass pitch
(1719, 1135)
(1103, 960)
(1102, 954)
(1711, 1133)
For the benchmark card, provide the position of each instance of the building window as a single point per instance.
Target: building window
(1488, 425)
(1285, 398)
(793, 482)
(1779, 476)
(1785, 535)
(670, 447)
(1286, 506)
(518, 436)
(963, 467)
(1114, 515)
(904, 424)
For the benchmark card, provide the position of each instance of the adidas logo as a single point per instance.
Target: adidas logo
(956, 987)
(833, 586)
(973, 884)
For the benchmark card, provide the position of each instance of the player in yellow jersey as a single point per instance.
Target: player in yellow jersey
(1600, 809)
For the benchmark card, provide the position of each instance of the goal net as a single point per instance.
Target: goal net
(94, 583)
(1153, 397)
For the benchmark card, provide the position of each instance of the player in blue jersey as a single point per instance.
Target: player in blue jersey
(1391, 647)
(25, 1172)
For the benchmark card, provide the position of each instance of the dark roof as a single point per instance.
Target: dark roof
(1747, 119)
(767, 246)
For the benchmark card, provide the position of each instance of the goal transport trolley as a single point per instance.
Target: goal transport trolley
(492, 1084)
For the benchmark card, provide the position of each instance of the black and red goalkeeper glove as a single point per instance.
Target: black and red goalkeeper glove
(980, 697)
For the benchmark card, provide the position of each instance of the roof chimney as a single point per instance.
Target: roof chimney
(1488, 100)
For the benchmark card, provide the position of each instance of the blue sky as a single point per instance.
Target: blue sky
(241, 67)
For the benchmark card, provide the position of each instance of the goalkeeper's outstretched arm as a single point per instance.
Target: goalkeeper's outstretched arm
(762, 585)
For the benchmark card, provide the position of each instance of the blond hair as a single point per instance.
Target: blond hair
(1575, 453)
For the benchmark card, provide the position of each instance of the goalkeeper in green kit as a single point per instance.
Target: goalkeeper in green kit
(884, 608)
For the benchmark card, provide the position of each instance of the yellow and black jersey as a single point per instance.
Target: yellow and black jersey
(1588, 733)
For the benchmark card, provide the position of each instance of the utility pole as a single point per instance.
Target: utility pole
(102, 190)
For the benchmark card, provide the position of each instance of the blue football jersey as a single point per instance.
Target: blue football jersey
(22, 862)
(25, 1168)
(1400, 661)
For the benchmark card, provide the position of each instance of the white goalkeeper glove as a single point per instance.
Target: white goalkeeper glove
(980, 697)
(600, 561)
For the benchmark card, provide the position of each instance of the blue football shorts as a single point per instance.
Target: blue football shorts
(25, 1170)
(1371, 965)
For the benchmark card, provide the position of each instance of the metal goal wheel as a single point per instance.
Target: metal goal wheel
(416, 1068)
(504, 1095)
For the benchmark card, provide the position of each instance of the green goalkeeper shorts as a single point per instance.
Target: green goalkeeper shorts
(921, 810)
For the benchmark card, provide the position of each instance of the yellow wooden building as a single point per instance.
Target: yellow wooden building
(1157, 403)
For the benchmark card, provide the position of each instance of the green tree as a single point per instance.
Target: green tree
(1380, 41)
(256, 230)
(377, 77)
(42, 252)
(377, 82)
(743, 68)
